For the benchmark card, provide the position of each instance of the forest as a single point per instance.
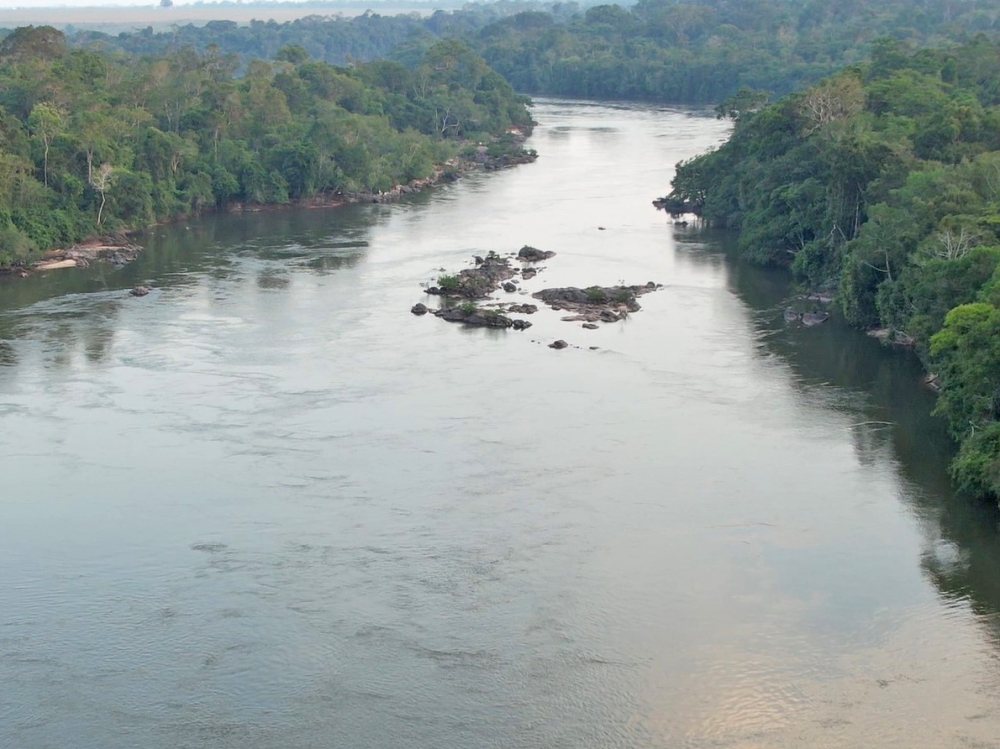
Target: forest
(694, 52)
(882, 182)
(92, 141)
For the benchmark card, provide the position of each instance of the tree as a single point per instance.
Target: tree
(834, 99)
(102, 183)
(39, 42)
(93, 130)
(966, 354)
(46, 122)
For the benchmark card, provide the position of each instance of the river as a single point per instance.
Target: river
(265, 506)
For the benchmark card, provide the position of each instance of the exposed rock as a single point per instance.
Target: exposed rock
(520, 325)
(475, 283)
(895, 337)
(530, 254)
(55, 264)
(528, 273)
(677, 206)
(596, 303)
(819, 296)
(523, 309)
(560, 344)
(509, 287)
(419, 309)
(590, 326)
(469, 314)
(594, 348)
(520, 156)
(933, 382)
(140, 291)
(814, 318)
(791, 315)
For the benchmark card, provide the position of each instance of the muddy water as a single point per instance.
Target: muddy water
(265, 506)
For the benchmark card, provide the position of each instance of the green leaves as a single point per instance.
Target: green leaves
(966, 355)
(93, 141)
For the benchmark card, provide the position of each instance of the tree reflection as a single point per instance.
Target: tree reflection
(883, 391)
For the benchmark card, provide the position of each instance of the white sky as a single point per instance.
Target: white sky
(8, 4)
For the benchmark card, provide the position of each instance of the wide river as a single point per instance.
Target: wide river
(267, 507)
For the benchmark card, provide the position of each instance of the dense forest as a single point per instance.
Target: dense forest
(699, 51)
(94, 141)
(883, 182)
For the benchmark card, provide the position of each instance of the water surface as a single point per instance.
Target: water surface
(265, 506)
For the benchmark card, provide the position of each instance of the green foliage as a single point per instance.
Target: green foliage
(449, 284)
(698, 51)
(884, 182)
(624, 294)
(596, 295)
(92, 141)
(976, 470)
(966, 355)
(468, 308)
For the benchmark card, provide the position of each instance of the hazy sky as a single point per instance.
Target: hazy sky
(91, 3)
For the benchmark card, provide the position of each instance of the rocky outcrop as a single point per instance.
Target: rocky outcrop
(822, 297)
(528, 254)
(140, 291)
(114, 249)
(560, 344)
(523, 309)
(513, 158)
(475, 283)
(808, 319)
(895, 337)
(595, 303)
(814, 318)
(469, 314)
(677, 206)
(419, 309)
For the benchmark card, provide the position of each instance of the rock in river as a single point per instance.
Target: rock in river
(814, 318)
(558, 344)
(140, 291)
(475, 283)
(595, 303)
(419, 309)
(530, 254)
(469, 314)
(524, 309)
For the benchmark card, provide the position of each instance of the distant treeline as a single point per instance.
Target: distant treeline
(882, 182)
(683, 52)
(96, 141)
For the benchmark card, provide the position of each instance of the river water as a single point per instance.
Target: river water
(265, 506)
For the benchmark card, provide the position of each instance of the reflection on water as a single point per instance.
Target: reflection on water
(266, 506)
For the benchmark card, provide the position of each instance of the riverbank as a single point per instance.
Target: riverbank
(118, 249)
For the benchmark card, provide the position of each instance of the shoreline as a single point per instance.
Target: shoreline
(117, 249)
